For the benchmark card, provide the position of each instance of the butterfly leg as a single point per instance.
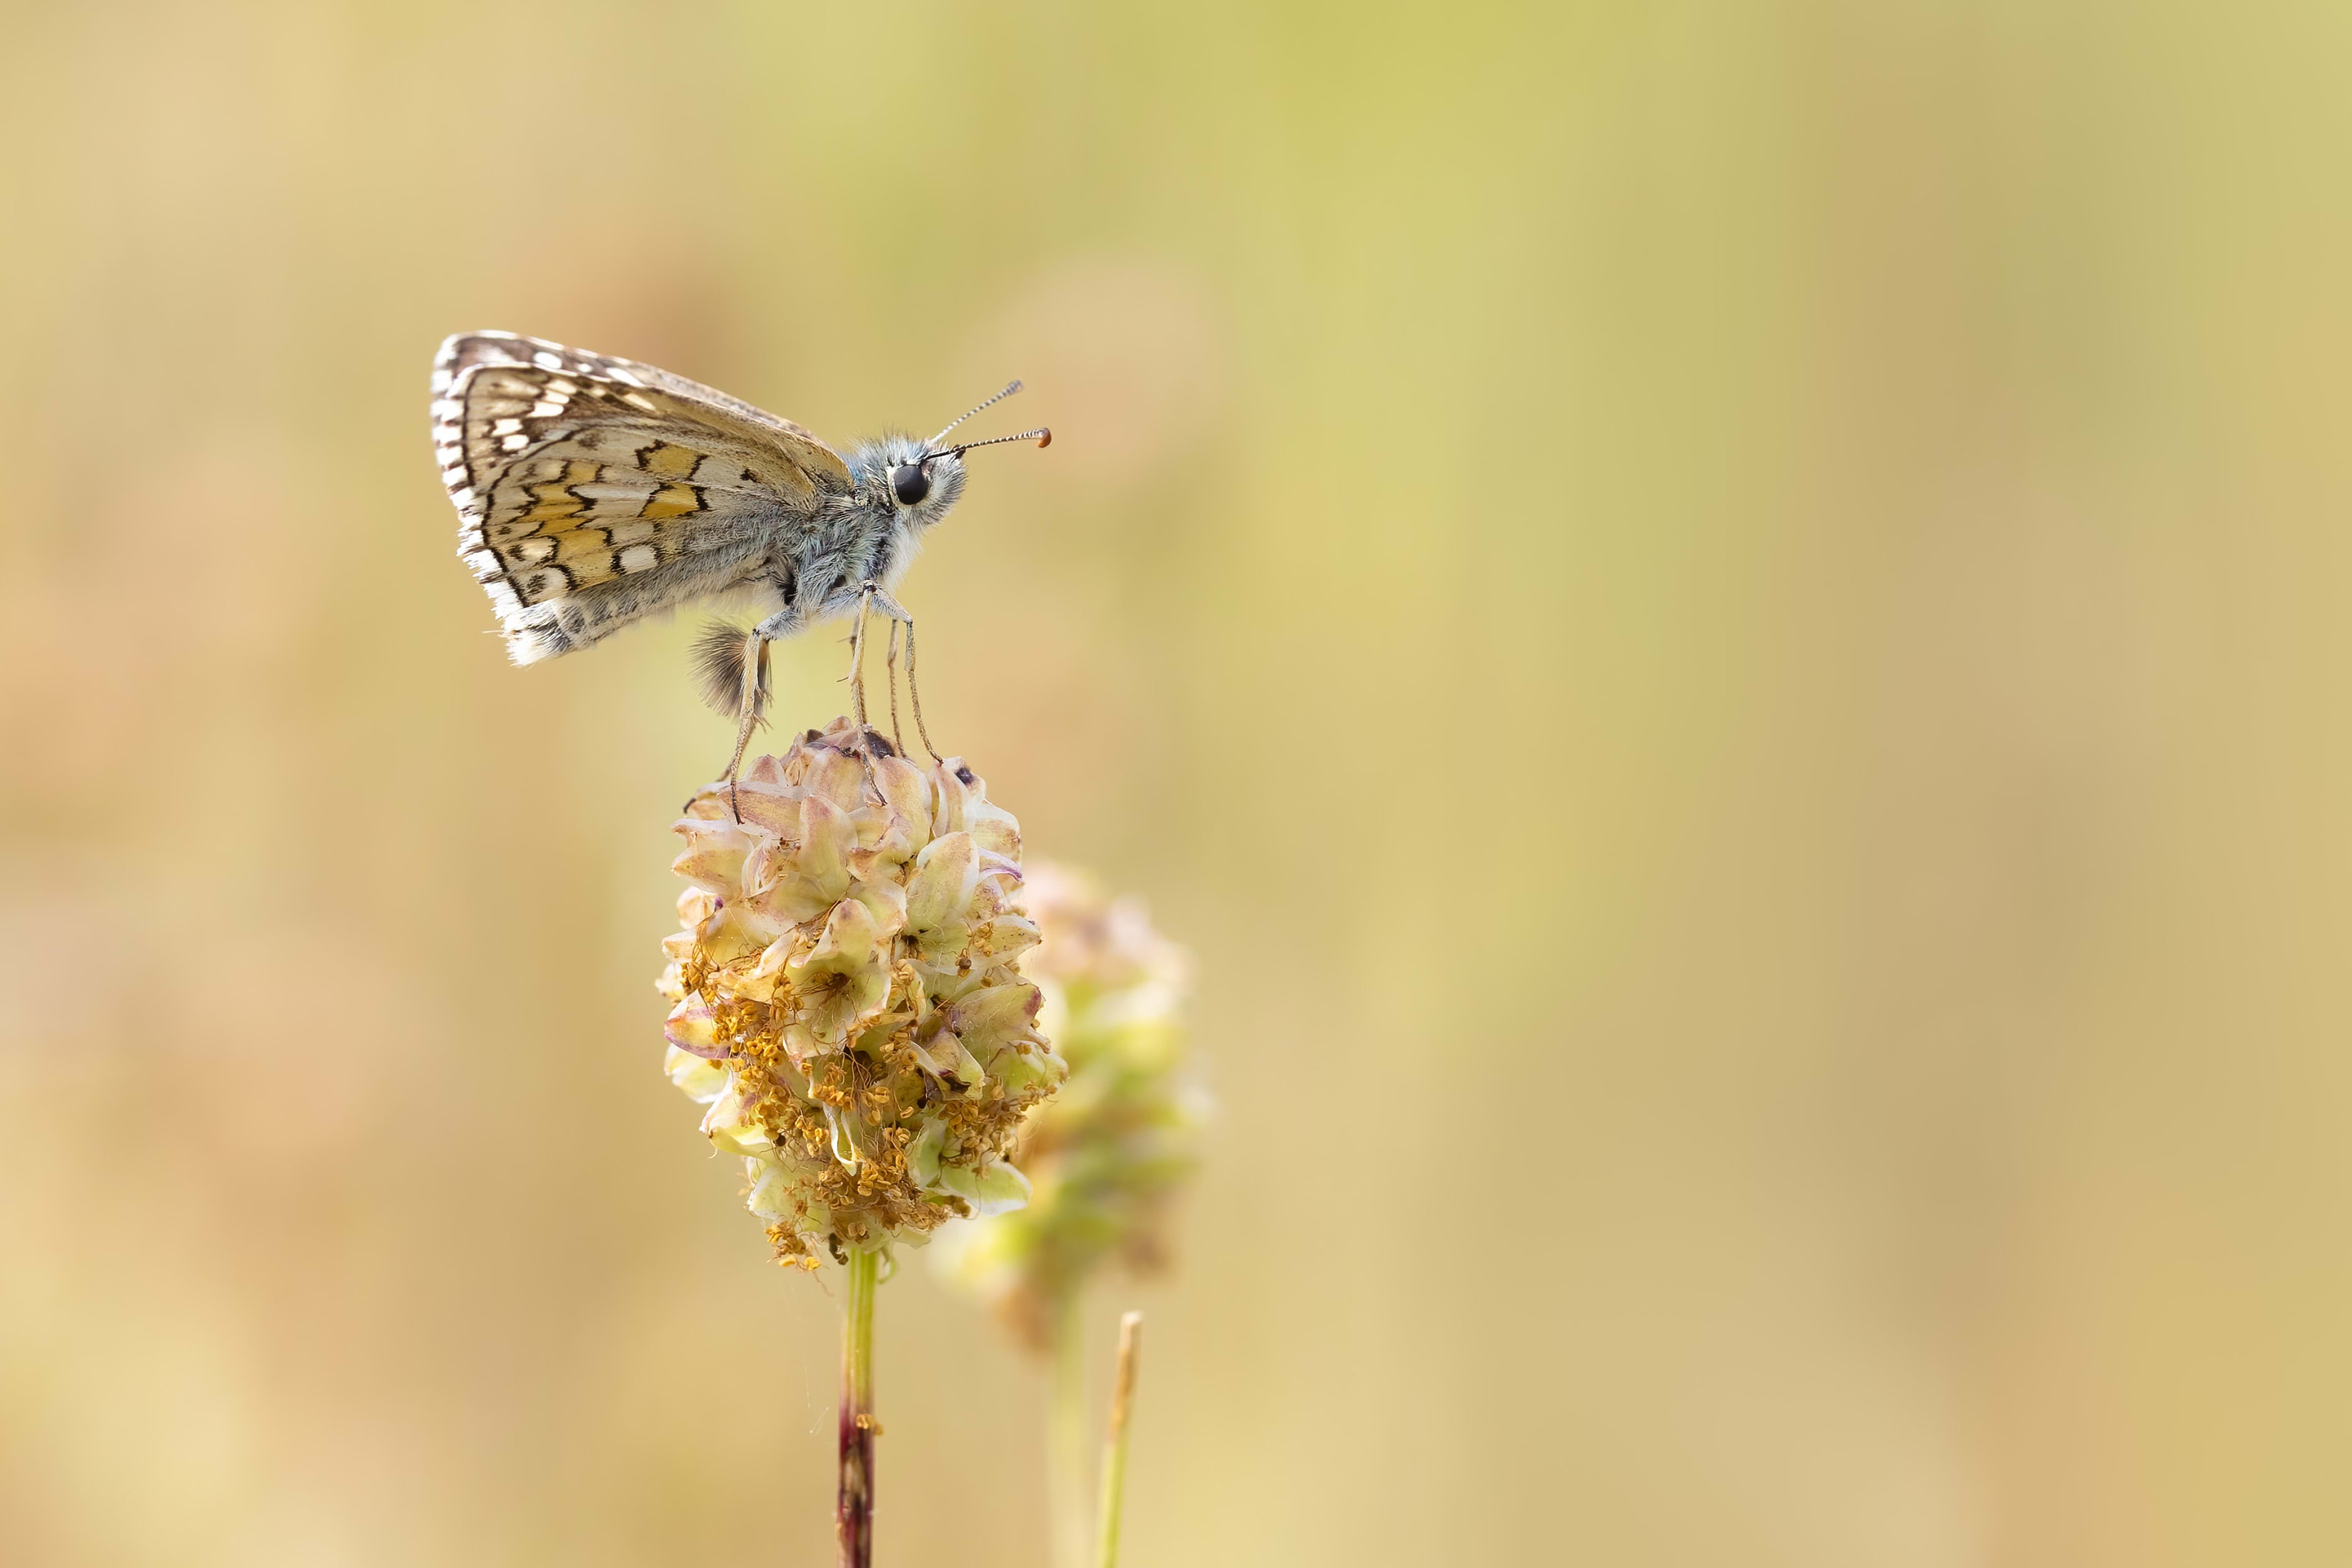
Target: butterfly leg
(734, 668)
(898, 617)
(868, 592)
(755, 703)
(891, 667)
(856, 676)
(753, 708)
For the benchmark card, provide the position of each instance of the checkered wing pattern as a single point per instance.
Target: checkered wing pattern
(592, 491)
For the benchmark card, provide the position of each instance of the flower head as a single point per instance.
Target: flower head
(1106, 1154)
(847, 1000)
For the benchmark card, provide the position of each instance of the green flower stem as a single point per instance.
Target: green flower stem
(1114, 1470)
(1068, 1496)
(854, 1513)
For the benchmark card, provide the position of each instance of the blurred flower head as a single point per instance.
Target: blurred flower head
(847, 997)
(1105, 1155)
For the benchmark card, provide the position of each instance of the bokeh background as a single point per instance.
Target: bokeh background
(1724, 625)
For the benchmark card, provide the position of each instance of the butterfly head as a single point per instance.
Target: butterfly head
(902, 471)
(923, 479)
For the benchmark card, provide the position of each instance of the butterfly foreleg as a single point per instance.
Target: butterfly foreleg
(871, 596)
(857, 676)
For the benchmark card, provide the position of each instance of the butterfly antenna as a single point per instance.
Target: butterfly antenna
(1010, 388)
(1043, 436)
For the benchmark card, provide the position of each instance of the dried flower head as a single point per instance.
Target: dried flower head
(1107, 1153)
(848, 1001)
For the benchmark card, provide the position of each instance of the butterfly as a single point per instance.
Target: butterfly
(593, 491)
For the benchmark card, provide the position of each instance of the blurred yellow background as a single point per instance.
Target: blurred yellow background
(1723, 626)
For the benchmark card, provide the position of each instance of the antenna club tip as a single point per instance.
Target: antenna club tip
(1045, 437)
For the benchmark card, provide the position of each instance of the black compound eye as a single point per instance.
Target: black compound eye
(909, 483)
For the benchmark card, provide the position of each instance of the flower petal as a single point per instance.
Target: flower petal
(713, 857)
(772, 1196)
(692, 1026)
(836, 777)
(1002, 938)
(886, 902)
(770, 807)
(844, 982)
(947, 873)
(909, 794)
(698, 1080)
(992, 828)
(763, 981)
(731, 1126)
(994, 1016)
(996, 1188)
(923, 1155)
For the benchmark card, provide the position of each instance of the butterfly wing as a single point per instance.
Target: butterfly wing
(592, 491)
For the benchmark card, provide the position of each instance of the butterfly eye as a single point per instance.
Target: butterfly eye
(911, 484)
